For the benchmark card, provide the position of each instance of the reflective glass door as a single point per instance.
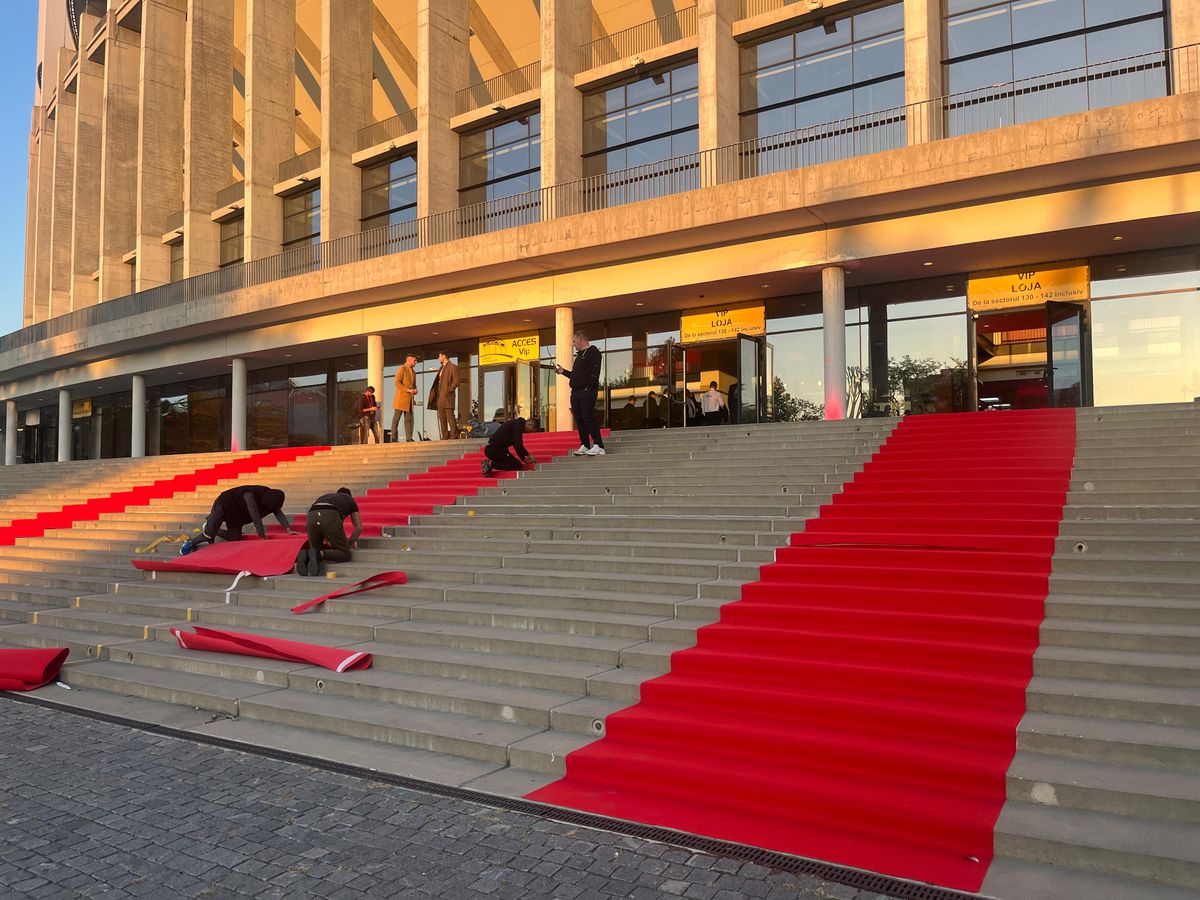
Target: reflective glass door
(1067, 362)
(493, 393)
(525, 403)
(746, 396)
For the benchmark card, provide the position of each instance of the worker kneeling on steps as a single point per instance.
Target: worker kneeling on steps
(235, 509)
(501, 446)
(326, 526)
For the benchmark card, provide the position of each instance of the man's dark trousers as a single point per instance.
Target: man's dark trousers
(583, 407)
(502, 459)
(327, 525)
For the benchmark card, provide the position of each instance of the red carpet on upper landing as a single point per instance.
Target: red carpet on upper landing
(859, 704)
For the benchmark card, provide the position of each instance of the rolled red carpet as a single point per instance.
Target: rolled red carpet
(26, 670)
(860, 703)
(217, 641)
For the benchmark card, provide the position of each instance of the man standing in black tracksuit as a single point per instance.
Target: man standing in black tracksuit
(497, 451)
(585, 385)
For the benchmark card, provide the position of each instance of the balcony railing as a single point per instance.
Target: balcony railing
(501, 87)
(758, 7)
(298, 165)
(387, 130)
(234, 193)
(642, 38)
(1097, 86)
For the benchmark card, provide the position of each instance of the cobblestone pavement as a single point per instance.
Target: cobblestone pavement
(91, 809)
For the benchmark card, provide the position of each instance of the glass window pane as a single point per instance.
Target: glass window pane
(978, 31)
(685, 78)
(1124, 41)
(1051, 56)
(649, 120)
(815, 40)
(651, 151)
(1100, 12)
(879, 21)
(986, 71)
(820, 73)
(771, 52)
(775, 121)
(1036, 19)
(954, 7)
(1144, 349)
(877, 58)
(774, 85)
(685, 110)
(927, 368)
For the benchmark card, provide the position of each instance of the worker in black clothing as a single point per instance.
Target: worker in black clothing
(498, 452)
(235, 509)
(326, 527)
(585, 386)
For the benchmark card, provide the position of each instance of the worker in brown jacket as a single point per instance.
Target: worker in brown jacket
(406, 390)
(442, 396)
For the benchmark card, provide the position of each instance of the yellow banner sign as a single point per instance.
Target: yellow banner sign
(81, 409)
(1065, 282)
(497, 351)
(699, 326)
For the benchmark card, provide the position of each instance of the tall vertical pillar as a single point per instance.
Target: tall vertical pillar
(64, 178)
(85, 226)
(43, 197)
(119, 159)
(160, 136)
(346, 84)
(719, 73)
(64, 425)
(442, 54)
(270, 118)
(375, 373)
(923, 80)
(1185, 32)
(566, 26)
(564, 355)
(238, 395)
(833, 329)
(27, 313)
(207, 129)
(10, 432)
(137, 418)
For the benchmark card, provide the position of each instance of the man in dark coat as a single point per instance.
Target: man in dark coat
(442, 395)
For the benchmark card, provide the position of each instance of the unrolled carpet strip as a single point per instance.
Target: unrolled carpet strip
(383, 579)
(119, 501)
(274, 556)
(217, 641)
(859, 703)
(26, 670)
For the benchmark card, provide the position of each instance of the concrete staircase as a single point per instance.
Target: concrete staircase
(532, 611)
(1104, 792)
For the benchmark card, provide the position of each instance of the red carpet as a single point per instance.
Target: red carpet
(92, 509)
(383, 579)
(274, 556)
(218, 641)
(859, 704)
(25, 670)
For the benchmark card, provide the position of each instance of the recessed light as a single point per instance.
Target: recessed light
(527, 320)
(435, 332)
(1120, 268)
(180, 372)
(288, 355)
(639, 303)
(1118, 237)
(764, 285)
(354, 345)
(927, 263)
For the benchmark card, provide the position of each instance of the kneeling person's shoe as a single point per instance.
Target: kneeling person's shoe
(314, 562)
(487, 468)
(186, 547)
(302, 561)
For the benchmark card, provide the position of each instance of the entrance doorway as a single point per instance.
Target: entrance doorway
(1032, 358)
(509, 390)
(742, 369)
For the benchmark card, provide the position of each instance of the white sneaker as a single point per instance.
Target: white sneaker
(582, 451)
(596, 450)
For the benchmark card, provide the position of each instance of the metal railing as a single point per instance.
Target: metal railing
(639, 39)
(501, 87)
(1097, 86)
(388, 129)
(298, 165)
(234, 193)
(758, 7)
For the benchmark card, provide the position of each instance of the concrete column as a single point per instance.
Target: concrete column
(239, 392)
(346, 84)
(375, 375)
(64, 187)
(720, 86)
(10, 432)
(64, 425)
(97, 436)
(566, 25)
(270, 118)
(923, 69)
(85, 227)
(27, 311)
(442, 35)
(160, 136)
(119, 160)
(833, 305)
(1185, 32)
(137, 418)
(43, 197)
(564, 355)
(207, 129)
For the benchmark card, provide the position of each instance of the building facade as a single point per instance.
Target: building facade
(243, 211)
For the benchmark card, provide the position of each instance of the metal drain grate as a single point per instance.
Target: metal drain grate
(782, 862)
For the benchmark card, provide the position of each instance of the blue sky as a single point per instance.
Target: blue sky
(18, 71)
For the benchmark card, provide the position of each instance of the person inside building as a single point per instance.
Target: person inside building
(712, 404)
(402, 403)
(442, 394)
(735, 403)
(235, 509)
(585, 386)
(655, 411)
(629, 415)
(691, 409)
(368, 413)
(505, 449)
(326, 527)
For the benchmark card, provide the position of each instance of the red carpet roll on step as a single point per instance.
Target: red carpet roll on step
(860, 703)
(217, 641)
(26, 670)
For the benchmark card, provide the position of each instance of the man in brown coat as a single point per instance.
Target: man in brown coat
(442, 395)
(406, 389)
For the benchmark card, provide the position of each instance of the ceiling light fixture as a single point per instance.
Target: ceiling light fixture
(1118, 237)
(927, 263)
(639, 303)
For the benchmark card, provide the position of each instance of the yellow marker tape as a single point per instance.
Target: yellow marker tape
(35, 615)
(99, 647)
(189, 614)
(145, 632)
(78, 601)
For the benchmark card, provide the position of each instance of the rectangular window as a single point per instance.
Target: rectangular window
(177, 260)
(389, 192)
(501, 166)
(231, 241)
(302, 219)
(1013, 61)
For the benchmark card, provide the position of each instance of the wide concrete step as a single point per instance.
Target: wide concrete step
(82, 644)
(1127, 701)
(1129, 666)
(1136, 636)
(595, 649)
(541, 620)
(1019, 878)
(575, 597)
(1148, 610)
(1169, 747)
